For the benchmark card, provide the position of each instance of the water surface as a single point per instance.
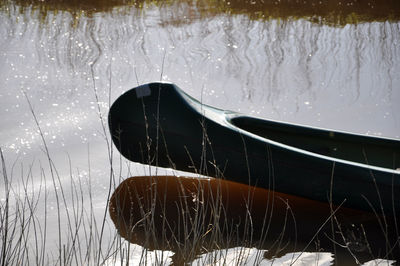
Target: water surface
(318, 64)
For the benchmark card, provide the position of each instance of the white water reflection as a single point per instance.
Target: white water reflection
(344, 78)
(297, 71)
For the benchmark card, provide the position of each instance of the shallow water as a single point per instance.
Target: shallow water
(71, 65)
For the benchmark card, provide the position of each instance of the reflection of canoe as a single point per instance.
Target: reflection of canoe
(174, 213)
(142, 200)
(159, 124)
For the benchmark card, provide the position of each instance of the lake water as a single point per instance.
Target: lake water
(315, 64)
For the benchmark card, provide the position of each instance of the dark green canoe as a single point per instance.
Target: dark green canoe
(159, 124)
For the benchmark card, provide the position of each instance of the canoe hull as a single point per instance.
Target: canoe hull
(158, 124)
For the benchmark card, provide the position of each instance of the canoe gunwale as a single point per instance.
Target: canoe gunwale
(226, 118)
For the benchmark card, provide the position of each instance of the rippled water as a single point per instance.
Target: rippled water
(293, 70)
(343, 77)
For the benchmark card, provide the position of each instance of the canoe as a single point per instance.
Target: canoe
(186, 213)
(159, 124)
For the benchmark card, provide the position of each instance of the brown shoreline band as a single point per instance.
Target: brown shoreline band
(330, 12)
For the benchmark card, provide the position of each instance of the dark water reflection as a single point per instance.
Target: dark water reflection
(158, 212)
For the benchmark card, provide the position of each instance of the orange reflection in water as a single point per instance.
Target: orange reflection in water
(180, 213)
